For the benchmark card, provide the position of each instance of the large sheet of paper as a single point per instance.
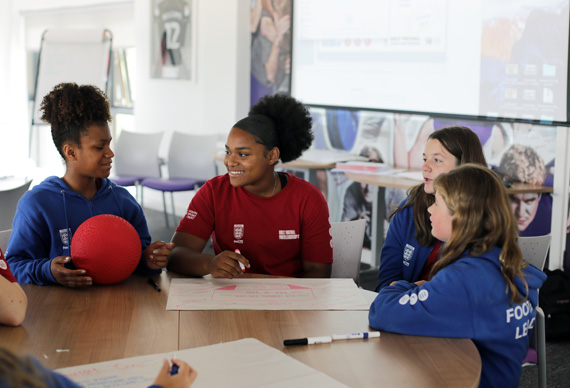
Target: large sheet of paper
(244, 363)
(265, 294)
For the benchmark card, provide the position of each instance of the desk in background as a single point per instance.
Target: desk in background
(309, 163)
(404, 182)
(103, 323)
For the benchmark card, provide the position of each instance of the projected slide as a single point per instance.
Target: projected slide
(472, 57)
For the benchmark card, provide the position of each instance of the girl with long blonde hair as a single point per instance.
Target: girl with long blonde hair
(480, 288)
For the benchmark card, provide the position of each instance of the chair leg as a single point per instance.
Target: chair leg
(164, 207)
(541, 347)
(173, 213)
(137, 191)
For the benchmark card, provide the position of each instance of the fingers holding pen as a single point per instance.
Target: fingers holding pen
(227, 265)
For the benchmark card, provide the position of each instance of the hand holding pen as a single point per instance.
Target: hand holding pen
(183, 378)
(227, 265)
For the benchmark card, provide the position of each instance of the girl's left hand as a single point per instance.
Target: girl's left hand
(156, 254)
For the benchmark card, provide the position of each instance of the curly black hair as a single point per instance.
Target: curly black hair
(280, 121)
(70, 109)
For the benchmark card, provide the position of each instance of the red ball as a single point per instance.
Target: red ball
(108, 247)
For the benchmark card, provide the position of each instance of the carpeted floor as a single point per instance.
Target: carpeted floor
(557, 352)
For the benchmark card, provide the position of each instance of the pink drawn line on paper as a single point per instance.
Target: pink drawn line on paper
(228, 288)
(294, 287)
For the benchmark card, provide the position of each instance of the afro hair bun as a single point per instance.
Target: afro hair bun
(292, 121)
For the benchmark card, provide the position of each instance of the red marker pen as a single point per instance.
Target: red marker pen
(240, 263)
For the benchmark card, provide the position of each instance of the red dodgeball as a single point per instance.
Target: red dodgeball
(108, 247)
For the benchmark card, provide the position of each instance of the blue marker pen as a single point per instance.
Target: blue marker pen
(173, 367)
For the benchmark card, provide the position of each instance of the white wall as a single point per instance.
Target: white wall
(211, 104)
(219, 97)
(215, 100)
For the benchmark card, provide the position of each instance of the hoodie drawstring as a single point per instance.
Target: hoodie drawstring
(117, 201)
(66, 223)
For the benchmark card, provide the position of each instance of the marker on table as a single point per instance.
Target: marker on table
(153, 283)
(308, 341)
(371, 334)
(327, 339)
(240, 263)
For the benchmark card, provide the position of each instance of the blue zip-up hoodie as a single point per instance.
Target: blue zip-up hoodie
(467, 299)
(402, 258)
(49, 214)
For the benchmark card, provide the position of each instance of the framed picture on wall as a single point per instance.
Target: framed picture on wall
(173, 40)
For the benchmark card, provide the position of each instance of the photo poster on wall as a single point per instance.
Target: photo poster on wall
(518, 152)
(173, 40)
(270, 27)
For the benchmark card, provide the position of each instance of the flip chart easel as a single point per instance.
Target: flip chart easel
(82, 56)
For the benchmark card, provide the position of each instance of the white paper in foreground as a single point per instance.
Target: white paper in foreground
(244, 363)
(265, 294)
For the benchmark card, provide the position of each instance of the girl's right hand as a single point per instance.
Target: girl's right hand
(226, 265)
(68, 277)
(183, 379)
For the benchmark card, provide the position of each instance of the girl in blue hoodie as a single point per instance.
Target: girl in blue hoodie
(480, 288)
(49, 214)
(410, 250)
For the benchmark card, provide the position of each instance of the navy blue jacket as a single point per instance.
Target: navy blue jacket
(467, 299)
(49, 214)
(402, 258)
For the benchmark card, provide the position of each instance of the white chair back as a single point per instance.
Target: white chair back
(192, 156)
(136, 154)
(8, 204)
(347, 240)
(534, 249)
(4, 237)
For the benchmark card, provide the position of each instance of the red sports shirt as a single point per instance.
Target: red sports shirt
(5, 269)
(275, 234)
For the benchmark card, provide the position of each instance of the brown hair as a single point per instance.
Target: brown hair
(462, 143)
(482, 219)
(19, 372)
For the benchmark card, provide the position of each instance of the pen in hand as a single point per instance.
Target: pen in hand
(153, 283)
(173, 367)
(240, 263)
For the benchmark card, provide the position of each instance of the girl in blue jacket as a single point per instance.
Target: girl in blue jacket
(49, 214)
(410, 250)
(479, 288)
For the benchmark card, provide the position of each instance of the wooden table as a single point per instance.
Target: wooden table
(394, 181)
(103, 323)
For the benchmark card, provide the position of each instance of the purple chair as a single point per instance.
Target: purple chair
(190, 164)
(136, 158)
